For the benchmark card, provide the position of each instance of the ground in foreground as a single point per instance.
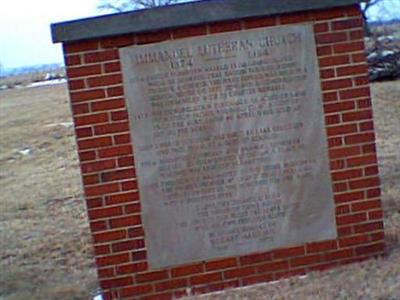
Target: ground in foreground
(44, 236)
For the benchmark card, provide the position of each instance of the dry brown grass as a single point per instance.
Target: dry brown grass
(45, 250)
(44, 237)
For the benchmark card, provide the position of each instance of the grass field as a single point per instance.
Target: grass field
(45, 250)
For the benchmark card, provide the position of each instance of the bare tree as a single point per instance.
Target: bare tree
(365, 7)
(367, 4)
(125, 5)
(379, 10)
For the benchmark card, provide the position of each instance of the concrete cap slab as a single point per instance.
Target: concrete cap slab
(184, 14)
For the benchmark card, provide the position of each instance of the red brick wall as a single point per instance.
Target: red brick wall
(108, 171)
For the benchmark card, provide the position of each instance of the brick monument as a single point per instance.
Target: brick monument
(223, 143)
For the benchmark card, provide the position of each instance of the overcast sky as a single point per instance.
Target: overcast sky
(25, 38)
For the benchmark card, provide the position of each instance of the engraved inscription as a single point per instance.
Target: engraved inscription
(230, 145)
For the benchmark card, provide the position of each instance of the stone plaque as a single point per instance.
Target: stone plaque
(230, 144)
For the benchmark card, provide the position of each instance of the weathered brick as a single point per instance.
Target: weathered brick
(83, 71)
(213, 287)
(81, 46)
(352, 70)
(365, 183)
(366, 126)
(171, 284)
(206, 278)
(106, 273)
(347, 24)
(348, 174)
(125, 221)
(336, 84)
(321, 27)
(76, 84)
(103, 81)
(152, 37)
(98, 226)
(127, 245)
(115, 91)
(109, 236)
(324, 50)
(83, 132)
(342, 129)
(255, 258)
(101, 250)
(87, 95)
(107, 104)
(337, 60)
(91, 179)
(101, 56)
(371, 170)
(129, 185)
(362, 160)
(257, 279)
(189, 31)
(136, 290)
(368, 227)
(348, 47)
(288, 252)
(325, 14)
(305, 260)
(111, 128)
(102, 213)
(297, 17)
(344, 152)
(335, 142)
(78, 109)
(357, 115)
(359, 138)
(151, 276)
(355, 93)
(259, 22)
(131, 268)
(96, 166)
(332, 37)
(115, 151)
(239, 272)
(117, 42)
(101, 189)
(340, 254)
(116, 282)
(187, 270)
(339, 106)
(122, 139)
(366, 205)
(353, 240)
(273, 266)
(121, 198)
(133, 208)
(342, 210)
(72, 60)
(348, 197)
(351, 219)
(225, 26)
(371, 249)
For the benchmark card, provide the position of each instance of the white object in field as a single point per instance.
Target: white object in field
(47, 82)
(25, 151)
(98, 297)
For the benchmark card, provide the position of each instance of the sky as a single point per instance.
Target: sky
(25, 38)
